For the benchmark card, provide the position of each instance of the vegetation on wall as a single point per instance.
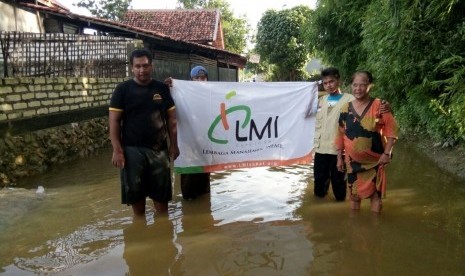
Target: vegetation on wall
(415, 50)
(32, 153)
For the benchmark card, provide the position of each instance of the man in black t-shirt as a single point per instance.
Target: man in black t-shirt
(142, 117)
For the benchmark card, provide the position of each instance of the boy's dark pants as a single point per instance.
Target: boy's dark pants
(325, 171)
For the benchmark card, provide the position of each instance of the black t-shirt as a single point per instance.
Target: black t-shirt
(144, 113)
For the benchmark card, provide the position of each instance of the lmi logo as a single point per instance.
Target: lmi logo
(245, 131)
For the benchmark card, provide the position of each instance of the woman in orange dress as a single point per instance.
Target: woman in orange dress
(365, 138)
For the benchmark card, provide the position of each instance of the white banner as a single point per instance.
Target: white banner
(232, 125)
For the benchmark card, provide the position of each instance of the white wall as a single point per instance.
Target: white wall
(25, 21)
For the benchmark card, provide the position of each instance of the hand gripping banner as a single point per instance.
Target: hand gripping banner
(232, 125)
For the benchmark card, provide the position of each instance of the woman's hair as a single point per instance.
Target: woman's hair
(366, 73)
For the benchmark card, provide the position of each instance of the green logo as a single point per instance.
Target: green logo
(223, 118)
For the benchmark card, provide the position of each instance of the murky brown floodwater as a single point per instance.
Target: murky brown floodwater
(262, 221)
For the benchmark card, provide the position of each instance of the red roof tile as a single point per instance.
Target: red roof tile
(188, 25)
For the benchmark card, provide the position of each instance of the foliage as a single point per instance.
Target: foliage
(414, 49)
(235, 30)
(334, 33)
(235, 34)
(107, 9)
(280, 42)
(422, 44)
(449, 106)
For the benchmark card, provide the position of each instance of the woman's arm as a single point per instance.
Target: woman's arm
(385, 157)
(389, 131)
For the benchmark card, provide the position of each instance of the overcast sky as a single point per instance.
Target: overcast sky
(252, 9)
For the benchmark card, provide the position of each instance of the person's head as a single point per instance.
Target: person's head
(141, 65)
(331, 80)
(361, 84)
(199, 73)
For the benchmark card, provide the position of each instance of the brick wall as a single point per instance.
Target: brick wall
(22, 98)
(44, 121)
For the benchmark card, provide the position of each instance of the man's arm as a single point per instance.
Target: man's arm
(115, 136)
(173, 133)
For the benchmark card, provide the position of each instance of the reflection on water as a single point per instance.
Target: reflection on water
(262, 221)
(149, 249)
(259, 194)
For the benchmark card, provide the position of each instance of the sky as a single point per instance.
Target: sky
(252, 9)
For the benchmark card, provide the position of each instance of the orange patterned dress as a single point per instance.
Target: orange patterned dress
(363, 137)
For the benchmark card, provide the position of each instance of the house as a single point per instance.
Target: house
(53, 74)
(173, 55)
(202, 26)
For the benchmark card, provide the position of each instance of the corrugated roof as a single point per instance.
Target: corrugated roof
(189, 25)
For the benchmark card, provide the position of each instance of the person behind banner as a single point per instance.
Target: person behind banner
(367, 137)
(195, 184)
(325, 160)
(142, 115)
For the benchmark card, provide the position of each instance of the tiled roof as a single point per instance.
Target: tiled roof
(188, 25)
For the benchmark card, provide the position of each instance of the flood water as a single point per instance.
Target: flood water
(262, 221)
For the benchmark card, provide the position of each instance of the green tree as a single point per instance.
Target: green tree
(280, 42)
(334, 33)
(235, 34)
(107, 9)
(414, 49)
(235, 30)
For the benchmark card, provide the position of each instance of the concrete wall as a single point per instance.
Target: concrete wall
(16, 19)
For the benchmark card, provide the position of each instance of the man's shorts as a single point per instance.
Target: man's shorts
(146, 173)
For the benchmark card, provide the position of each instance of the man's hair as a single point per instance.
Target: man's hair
(141, 53)
(330, 72)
